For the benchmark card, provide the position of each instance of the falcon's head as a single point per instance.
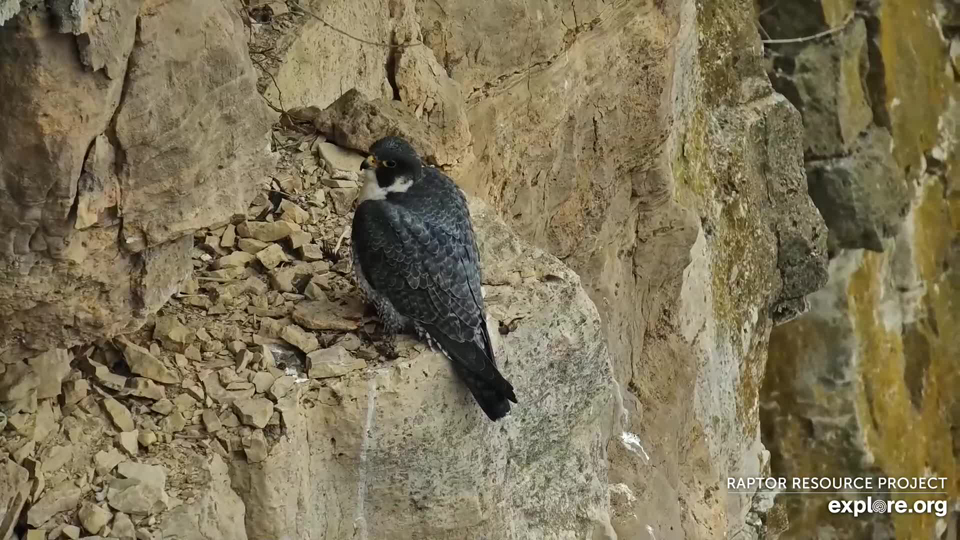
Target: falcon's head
(392, 167)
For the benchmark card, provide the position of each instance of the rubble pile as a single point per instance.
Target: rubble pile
(100, 438)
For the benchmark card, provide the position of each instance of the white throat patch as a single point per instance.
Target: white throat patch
(372, 191)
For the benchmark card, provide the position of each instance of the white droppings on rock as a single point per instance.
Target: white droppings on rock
(632, 443)
(359, 517)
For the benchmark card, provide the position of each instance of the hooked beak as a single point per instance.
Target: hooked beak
(369, 163)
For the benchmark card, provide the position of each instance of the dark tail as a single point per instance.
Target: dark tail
(493, 394)
(475, 366)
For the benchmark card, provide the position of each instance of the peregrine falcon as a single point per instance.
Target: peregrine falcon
(415, 258)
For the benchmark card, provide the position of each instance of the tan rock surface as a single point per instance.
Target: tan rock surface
(185, 159)
(639, 142)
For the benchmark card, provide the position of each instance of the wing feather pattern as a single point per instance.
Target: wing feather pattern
(421, 254)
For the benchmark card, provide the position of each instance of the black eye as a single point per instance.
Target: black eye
(389, 163)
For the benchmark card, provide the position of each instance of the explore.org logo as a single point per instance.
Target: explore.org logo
(858, 496)
(879, 506)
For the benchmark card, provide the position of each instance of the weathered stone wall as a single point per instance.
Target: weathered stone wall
(639, 142)
(121, 136)
(642, 144)
(863, 384)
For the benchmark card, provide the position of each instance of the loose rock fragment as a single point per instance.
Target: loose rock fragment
(272, 256)
(145, 388)
(102, 374)
(237, 259)
(14, 489)
(17, 382)
(194, 390)
(93, 518)
(218, 393)
(298, 240)
(141, 491)
(291, 184)
(50, 368)
(229, 419)
(172, 335)
(338, 183)
(123, 527)
(311, 252)
(143, 363)
(255, 446)
(46, 420)
(332, 362)
(229, 236)
(340, 158)
(147, 438)
(71, 531)
(267, 356)
(281, 387)
(128, 442)
(343, 198)
(254, 412)
(193, 353)
(321, 314)
(25, 451)
(174, 423)
(267, 232)
(185, 402)
(74, 391)
(243, 359)
(55, 458)
(119, 414)
(293, 213)
(262, 381)
(251, 246)
(211, 421)
(164, 407)
(61, 498)
(300, 338)
(106, 460)
(286, 279)
(350, 342)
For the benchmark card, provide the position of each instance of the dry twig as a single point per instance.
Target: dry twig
(834, 30)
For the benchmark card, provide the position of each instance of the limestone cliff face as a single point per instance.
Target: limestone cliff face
(643, 145)
(121, 135)
(862, 385)
(639, 144)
